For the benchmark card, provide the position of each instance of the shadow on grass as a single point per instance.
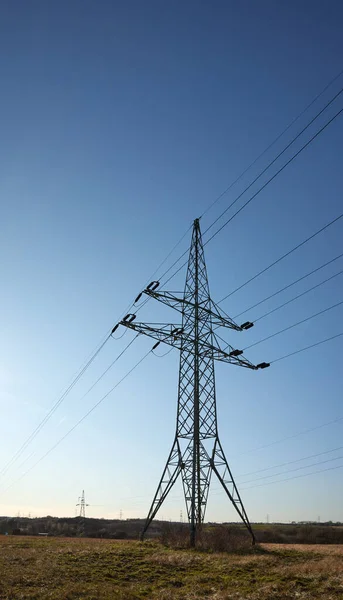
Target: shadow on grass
(257, 549)
(211, 540)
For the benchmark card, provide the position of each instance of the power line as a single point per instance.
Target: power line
(36, 431)
(78, 422)
(295, 477)
(262, 470)
(164, 354)
(82, 397)
(246, 204)
(51, 411)
(313, 137)
(80, 373)
(307, 347)
(274, 176)
(306, 431)
(288, 478)
(109, 367)
(170, 253)
(321, 462)
(158, 268)
(272, 143)
(294, 435)
(258, 191)
(270, 482)
(276, 158)
(283, 256)
(298, 296)
(91, 360)
(290, 462)
(295, 324)
(288, 286)
(258, 471)
(247, 169)
(178, 270)
(133, 304)
(321, 312)
(173, 265)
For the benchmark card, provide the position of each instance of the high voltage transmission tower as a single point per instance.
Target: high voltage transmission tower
(82, 504)
(196, 451)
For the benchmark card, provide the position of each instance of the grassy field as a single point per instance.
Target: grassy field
(70, 569)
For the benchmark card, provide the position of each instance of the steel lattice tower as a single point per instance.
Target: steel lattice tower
(196, 451)
(82, 504)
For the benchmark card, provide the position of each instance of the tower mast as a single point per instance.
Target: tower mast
(196, 452)
(82, 504)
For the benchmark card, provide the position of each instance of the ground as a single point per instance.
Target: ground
(89, 569)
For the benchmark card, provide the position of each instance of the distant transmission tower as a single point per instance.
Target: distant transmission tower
(196, 451)
(82, 504)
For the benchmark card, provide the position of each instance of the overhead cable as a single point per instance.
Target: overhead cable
(296, 137)
(44, 421)
(273, 177)
(79, 374)
(307, 347)
(258, 471)
(275, 262)
(292, 436)
(294, 477)
(286, 287)
(52, 410)
(110, 366)
(78, 423)
(321, 312)
(243, 173)
(272, 143)
(291, 462)
(314, 287)
(321, 462)
(246, 204)
(300, 114)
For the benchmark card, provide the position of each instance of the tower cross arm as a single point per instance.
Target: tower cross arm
(174, 335)
(218, 316)
(217, 353)
(162, 332)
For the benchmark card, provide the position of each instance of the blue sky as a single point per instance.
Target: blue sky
(121, 123)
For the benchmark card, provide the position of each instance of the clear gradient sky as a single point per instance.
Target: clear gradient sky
(120, 123)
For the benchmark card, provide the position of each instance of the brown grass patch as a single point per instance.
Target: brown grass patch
(93, 569)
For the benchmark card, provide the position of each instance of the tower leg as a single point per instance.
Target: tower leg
(170, 474)
(221, 468)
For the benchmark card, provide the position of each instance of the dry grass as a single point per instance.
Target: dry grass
(75, 569)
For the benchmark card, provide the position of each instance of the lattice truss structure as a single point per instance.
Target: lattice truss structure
(196, 451)
(82, 504)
